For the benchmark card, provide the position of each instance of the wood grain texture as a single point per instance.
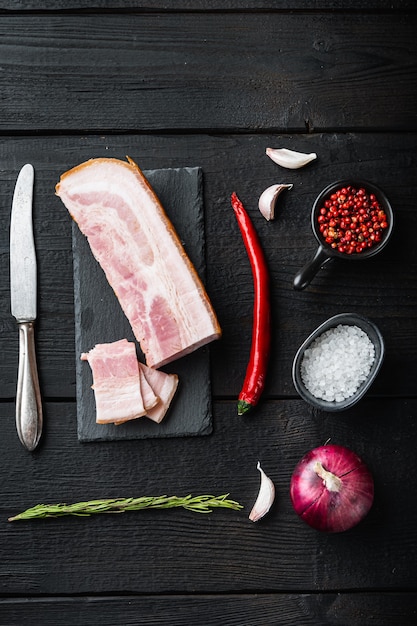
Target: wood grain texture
(178, 551)
(205, 5)
(347, 609)
(383, 289)
(211, 84)
(255, 71)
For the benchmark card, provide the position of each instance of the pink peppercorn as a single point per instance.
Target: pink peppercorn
(352, 220)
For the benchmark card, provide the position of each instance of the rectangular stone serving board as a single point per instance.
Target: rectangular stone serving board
(100, 319)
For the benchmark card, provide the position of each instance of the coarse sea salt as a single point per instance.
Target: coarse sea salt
(337, 362)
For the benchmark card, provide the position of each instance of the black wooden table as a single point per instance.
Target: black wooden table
(212, 84)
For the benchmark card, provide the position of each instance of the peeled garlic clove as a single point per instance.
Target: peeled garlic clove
(290, 158)
(268, 199)
(265, 498)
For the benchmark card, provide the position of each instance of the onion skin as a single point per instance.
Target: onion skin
(344, 502)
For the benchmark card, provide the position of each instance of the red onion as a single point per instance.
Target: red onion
(331, 488)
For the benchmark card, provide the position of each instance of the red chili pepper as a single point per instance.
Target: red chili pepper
(254, 382)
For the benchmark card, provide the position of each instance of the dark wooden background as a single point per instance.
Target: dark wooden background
(212, 84)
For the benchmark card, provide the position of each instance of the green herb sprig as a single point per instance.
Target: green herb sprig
(197, 504)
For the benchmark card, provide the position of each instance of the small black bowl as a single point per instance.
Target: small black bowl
(351, 319)
(325, 252)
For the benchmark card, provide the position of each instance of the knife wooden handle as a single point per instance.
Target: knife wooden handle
(29, 417)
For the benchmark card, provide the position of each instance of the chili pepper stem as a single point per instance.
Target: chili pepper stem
(243, 407)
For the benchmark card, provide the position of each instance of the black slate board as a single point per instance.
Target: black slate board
(100, 319)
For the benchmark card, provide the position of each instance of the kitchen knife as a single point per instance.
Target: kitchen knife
(23, 287)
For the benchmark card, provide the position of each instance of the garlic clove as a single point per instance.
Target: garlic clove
(290, 158)
(268, 198)
(266, 497)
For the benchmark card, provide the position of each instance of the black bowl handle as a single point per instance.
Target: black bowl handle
(307, 273)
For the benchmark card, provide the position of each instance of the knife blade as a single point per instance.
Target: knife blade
(23, 293)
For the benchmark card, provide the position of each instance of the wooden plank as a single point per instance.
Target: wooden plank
(207, 5)
(274, 72)
(383, 289)
(355, 609)
(183, 552)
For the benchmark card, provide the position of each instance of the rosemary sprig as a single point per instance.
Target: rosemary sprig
(198, 504)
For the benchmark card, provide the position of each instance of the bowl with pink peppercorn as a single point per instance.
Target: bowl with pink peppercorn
(351, 220)
(338, 362)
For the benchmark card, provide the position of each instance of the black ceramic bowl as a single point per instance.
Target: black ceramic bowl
(374, 335)
(325, 252)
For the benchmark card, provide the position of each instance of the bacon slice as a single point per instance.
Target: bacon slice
(164, 386)
(143, 259)
(116, 381)
(150, 399)
(125, 388)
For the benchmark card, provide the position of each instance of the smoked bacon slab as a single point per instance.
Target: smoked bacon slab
(135, 243)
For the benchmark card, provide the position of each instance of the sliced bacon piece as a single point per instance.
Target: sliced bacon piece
(143, 259)
(116, 381)
(149, 397)
(125, 388)
(164, 386)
